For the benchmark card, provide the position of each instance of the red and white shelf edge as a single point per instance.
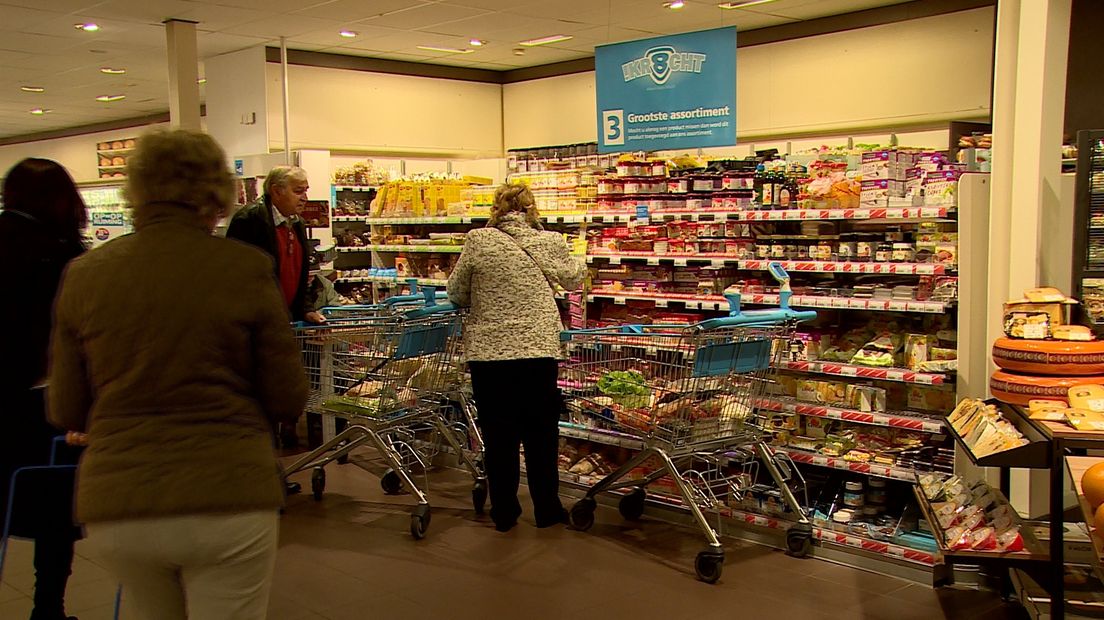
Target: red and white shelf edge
(878, 547)
(718, 260)
(359, 280)
(833, 462)
(892, 420)
(835, 369)
(718, 302)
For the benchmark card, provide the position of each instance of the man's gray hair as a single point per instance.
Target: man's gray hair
(282, 176)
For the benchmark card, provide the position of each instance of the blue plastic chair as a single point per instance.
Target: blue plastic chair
(52, 476)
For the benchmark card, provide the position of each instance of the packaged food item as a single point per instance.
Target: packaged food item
(880, 352)
(1027, 325)
(1079, 333)
(916, 350)
(1089, 397)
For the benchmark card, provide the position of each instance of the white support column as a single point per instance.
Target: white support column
(1032, 42)
(183, 74)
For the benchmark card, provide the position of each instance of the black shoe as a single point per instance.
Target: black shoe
(293, 488)
(505, 523)
(556, 520)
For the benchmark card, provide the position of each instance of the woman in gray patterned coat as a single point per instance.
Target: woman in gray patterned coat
(506, 275)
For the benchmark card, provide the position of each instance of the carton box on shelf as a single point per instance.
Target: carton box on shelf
(875, 165)
(874, 192)
(941, 188)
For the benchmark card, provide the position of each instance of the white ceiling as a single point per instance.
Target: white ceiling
(39, 45)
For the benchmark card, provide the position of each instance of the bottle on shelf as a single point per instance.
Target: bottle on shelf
(760, 185)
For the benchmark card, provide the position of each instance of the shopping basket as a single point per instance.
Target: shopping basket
(688, 394)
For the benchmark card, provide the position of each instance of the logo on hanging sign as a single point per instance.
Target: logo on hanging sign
(660, 62)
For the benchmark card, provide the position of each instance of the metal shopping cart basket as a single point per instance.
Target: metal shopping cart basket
(383, 375)
(688, 394)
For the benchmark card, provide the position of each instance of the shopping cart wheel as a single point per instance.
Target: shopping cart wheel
(391, 482)
(479, 496)
(799, 540)
(582, 514)
(419, 521)
(631, 505)
(709, 564)
(318, 483)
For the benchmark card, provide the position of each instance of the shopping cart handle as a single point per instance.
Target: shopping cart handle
(430, 310)
(757, 318)
(784, 291)
(414, 295)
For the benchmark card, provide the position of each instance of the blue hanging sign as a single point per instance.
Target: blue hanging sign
(670, 92)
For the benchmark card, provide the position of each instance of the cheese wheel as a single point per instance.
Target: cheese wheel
(1019, 389)
(1049, 357)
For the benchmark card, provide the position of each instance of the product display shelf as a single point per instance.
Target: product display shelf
(902, 419)
(396, 281)
(355, 188)
(1034, 552)
(602, 436)
(1076, 466)
(349, 218)
(718, 302)
(836, 369)
(1035, 454)
(428, 221)
(115, 152)
(797, 266)
(122, 167)
(880, 214)
(432, 249)
(878, 470)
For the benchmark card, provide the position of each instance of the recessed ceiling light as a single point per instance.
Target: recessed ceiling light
(39, 111)
(32, 89)
(477, 42)
(519, 52)
(87, 27)
(447, 50)
(112, 71)
(556, 38)
(110, 98)
(201, 81)
(677, 4)
(739, 4)
(348, 34)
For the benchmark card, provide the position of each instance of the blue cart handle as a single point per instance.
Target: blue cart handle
(738, 318)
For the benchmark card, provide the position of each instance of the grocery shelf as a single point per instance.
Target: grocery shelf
(835, 369)
(846, 539)
(878, 470)
(1034, 455)
(388, 280)
(115, 151)
(432, 249)
(681, 259)
(718, 302)
(903, 419)
(1033, 550)
(785, 215)
(451, 219)
(355, 188)
(607, 437)
(349, 218)
(1076, 466)
(122, 167)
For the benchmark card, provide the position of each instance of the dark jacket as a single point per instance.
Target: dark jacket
(31, 262)
(172, 349)
(253, 225)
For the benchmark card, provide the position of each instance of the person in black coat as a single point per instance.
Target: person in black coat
(40, 232)
(273, 225)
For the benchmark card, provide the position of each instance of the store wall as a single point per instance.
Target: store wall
(918, 72)
(77, 153)
(345, 110)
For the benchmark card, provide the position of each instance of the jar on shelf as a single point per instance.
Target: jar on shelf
(824, 250)
(697, 202)
(611, 186)
(635, 186)
(763, 250)
(865, 247)
(884, 252)
(658, 168)
(705, 183)
(903, 253)
(678, 185)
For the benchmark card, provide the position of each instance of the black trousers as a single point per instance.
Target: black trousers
(519, 404)
(44, 503)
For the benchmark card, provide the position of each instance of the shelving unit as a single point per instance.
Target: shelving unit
(1076, 466)
(834, 369)
(877, 470)
(719, 303)
(109, 151)
(903, 420)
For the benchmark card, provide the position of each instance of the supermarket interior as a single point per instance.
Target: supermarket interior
(909, 194)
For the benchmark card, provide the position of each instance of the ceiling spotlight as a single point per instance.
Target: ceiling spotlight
(556, 38)
(740, 4)
(201, 81)
(87, 27)
(447, 50)
(39, 111)
(111, 71)
(32, 89)
(348, 34)
(677, 4)
(110, 98)
(519, 52)
(477, 42)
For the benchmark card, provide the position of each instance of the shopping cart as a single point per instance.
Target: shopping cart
(688, 393)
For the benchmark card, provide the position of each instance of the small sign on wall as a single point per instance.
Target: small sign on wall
(670, 92)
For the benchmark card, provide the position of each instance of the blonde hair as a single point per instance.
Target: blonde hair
(282, 176)
(514, 198)
(187, 168)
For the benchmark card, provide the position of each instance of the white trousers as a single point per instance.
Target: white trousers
(197, 567)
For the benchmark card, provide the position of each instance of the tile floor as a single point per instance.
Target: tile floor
(351, 557)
